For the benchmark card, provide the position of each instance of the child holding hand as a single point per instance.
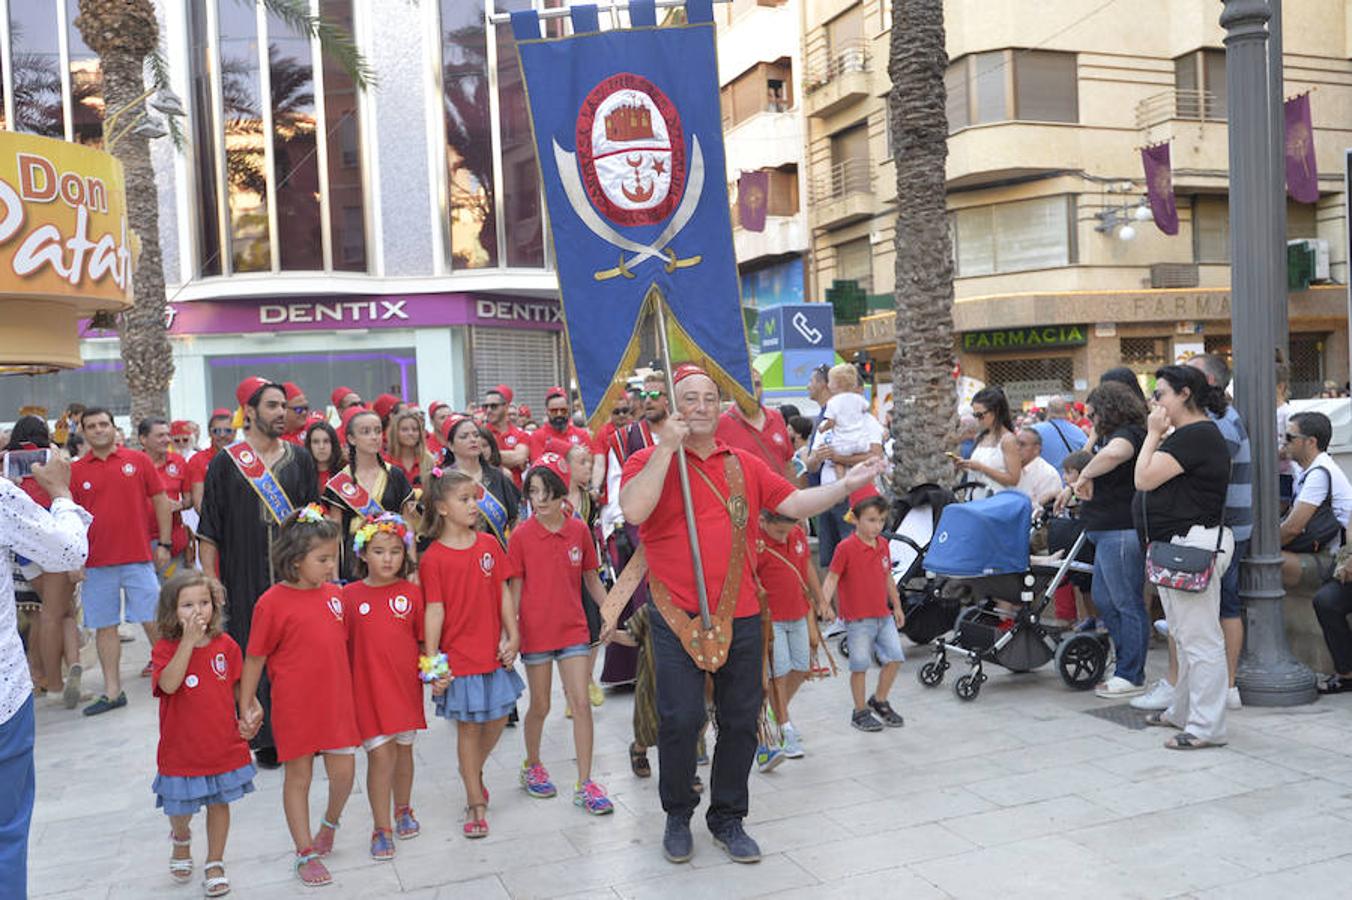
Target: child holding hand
(300, 632)
(862, 571)
(470, 617)
(386, 615)
(203, 757)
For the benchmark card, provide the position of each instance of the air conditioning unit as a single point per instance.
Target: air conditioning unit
(1316, 251)
(1174, 275)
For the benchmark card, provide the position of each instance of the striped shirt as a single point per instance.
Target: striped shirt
(1239, 495)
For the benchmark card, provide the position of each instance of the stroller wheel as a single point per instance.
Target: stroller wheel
(967, 687)
(931, 674)
(1081, 660)
(844, 646)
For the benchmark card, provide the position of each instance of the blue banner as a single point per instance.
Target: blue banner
(629, 134)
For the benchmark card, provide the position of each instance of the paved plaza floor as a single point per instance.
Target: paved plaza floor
(1018, 794)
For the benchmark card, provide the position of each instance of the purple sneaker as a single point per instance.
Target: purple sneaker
(592, 797)
(535, 779)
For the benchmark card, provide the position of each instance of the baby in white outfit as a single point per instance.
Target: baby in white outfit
(847, 415)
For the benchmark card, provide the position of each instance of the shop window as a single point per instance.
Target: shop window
(1005, 85)
(36, 64)
(368, 372)
(1211, 226)
(86, 84)
(1199, 85)
(765, 87)
(854, 262)
(1024, 380)
(1014, 237)
(1306, 358)
(98, 382)
(1144, 354)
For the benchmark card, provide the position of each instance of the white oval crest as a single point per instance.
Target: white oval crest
(173, 468)
(400, 605)
(336, 607)
(349, 489)
(218, 665)
(128, 469)
(364, 608)
(87, 485)
(798, 547)
(486, 563)
(191, 681)
(246, 457)
(631, 151)
(575, 555)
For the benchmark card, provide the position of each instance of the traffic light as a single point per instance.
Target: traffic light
(863, 364)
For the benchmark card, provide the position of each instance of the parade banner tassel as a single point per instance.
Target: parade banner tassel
(1302, 175)
(1159, 187)
(628, 131)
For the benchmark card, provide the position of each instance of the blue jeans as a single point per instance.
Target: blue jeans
(831, 530)
(16, 800)
(1230, 605)
(1119, 591)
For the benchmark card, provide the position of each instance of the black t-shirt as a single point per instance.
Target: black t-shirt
(1110, 507)
(1194, 497)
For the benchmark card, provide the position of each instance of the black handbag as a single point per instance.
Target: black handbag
(1176, 566)
(1322, 529)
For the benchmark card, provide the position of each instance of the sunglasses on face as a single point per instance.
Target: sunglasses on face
(300, 410)
(1293, 437)
(619, 412)
(652, 395)
(222, 431)
(492, 405)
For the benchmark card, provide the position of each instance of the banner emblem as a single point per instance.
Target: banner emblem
(631, 150)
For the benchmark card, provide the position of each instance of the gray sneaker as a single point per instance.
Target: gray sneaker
(793, 748)
(739, 845)
(677, 842)
(864, 721)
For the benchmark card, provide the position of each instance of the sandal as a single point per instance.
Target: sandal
(1335, 684)
(638, 761)
(215, 886)
(181, 869)
(323, 844)
(382, 845)
(1157, 720)
(1186, 741)
(475, 828)
(312, 871)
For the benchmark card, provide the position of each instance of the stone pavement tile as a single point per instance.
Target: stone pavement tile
(1046, 784)
(932, 771)
(776, 836)
(1157, 762)
(792, 800)
(459, 859)
(1325, 880)
(894, 882)
(836, 859)
(773, 874)
(918, 808)
(1087, 749)
(596, 871)
(486, 887)
(1046, 817)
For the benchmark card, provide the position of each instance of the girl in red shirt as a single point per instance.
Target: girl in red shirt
(203, 757)
(300, 630)
(470, 618)
(386, 612)
(550, 557)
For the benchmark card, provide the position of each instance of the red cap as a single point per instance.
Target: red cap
(181, 427)
(248, 387)
(314, 416)
(859, 496)
(505, 391)
(448, 426)
(292, 390)
(555, 463)
(339, 393)
(349, 414)
(434, 406)
(685, 370)
(523, 411)
(385, 404)
(220, 413)
(553, 392)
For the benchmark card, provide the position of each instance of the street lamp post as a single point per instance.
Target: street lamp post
(1268, 674)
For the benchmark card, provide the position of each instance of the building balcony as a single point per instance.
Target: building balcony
(999, 151)
(839, 80)
(782, 235)
(767, 140)
(1195, 122)
(843, 194)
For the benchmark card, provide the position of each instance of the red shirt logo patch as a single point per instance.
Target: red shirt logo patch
(777, 438)
(128, 469)
(246, 457)
(173, 468)
(798, 547)
(218, 665)
(336, 607)
(401, 606)
(486, 563)
(575, 555)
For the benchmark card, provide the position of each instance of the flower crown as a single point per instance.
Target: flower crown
(389, 523)
(311, 514)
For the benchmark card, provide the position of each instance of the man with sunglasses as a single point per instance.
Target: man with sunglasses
(297, 413)
(513, 443)
(1321, 483)
(222, 434)
(601, 444)
(558, 434)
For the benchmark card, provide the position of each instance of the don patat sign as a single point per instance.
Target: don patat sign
(1044, 337)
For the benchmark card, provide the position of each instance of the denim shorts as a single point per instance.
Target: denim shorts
(791, 647)
(547, 656)
(102, 592)
(869, 636)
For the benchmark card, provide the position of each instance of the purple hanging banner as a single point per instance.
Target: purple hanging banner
(1159, 187)
(1302, 176)
(753, 194)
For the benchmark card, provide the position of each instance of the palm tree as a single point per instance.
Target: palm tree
(126, 36)
(923, 389)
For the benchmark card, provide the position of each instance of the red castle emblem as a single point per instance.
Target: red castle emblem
(219, 666)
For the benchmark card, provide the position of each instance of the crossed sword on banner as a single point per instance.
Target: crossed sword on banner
(572, 187)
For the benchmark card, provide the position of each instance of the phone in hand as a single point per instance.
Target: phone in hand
(18, 464)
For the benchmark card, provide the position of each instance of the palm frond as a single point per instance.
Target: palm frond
(334, 41)
(158, 66)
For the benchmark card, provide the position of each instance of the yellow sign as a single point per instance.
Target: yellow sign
(66, 249)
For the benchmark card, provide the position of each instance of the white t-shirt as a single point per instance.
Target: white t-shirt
(1039, 478)
(873, 434)
(1314, 488)
(849, 414)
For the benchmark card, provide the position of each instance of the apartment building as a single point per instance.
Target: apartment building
(1060, 274)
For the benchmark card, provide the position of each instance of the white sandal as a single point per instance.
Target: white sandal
(217, 886)
(181, 869)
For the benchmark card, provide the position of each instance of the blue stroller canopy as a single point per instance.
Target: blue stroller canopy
(984, 537)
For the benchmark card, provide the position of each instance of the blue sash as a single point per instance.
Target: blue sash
(261, 479)
(494, 513)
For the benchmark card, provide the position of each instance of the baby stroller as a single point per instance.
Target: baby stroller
(979, 556)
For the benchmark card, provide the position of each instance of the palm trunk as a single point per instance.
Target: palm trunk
(124, 33)
(923, 389)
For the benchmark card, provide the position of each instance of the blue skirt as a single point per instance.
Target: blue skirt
(481, 698)
(182, 795)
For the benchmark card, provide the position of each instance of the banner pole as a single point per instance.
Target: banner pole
(696, 560)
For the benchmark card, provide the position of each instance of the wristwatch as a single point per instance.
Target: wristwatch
(165, 544)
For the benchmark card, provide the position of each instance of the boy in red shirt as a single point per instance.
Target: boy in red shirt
(862, 570)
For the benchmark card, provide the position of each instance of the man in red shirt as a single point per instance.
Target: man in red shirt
(114, 483)
(513, 443)
(297, 413)
(222, 435)
(183, 438)
(558, 434)
(604, 440)
(343, 397)
(763, 434)
(650, 497)
(153, 433)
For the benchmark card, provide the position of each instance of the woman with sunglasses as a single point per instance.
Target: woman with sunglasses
(995, 462)
(1181, 483)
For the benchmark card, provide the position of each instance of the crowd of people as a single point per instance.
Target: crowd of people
(307, 575)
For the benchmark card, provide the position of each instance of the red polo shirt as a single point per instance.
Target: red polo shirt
(550, 565)
(785, 590)
(174, 477)
(510, 439)
(663, 533)
(545, 439)
(771, 443)
(863, 573)
(114, 491)
(295, 437)
(197, 466)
